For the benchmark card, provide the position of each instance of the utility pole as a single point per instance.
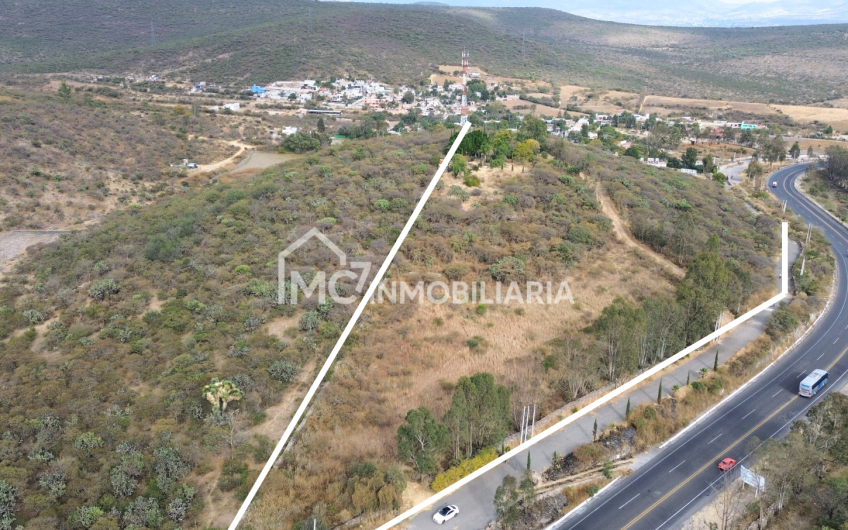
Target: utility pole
(533, 428)
(521, 435)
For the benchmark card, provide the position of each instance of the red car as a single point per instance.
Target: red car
(726, 464)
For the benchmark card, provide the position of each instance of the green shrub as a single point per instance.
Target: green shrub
(455, 271)
(463, 469)
(649, 413)
(780, 323)
(103, 289)
(472, 181)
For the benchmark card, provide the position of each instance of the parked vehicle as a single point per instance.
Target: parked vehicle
(192, 165)
(445, 514)
(726, 464)
(813, 383)
(774, 184)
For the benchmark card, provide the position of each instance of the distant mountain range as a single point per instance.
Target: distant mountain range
(691, 13)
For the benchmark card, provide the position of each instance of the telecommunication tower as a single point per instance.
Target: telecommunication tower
(463, 116)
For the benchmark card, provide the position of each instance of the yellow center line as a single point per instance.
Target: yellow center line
(723, 451)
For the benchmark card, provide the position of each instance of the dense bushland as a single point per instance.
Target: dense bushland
(149, 325)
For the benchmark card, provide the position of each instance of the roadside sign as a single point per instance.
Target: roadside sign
(752, 479)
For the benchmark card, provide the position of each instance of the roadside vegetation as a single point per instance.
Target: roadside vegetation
(827, 184)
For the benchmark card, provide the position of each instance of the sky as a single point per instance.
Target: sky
(721, 13)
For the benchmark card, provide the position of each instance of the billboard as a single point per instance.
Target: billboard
(752, 479)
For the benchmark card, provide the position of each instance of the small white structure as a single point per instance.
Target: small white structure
(232, 106)
(689, 171)
(288, 131)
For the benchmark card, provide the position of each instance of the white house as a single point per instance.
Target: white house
(232, 106)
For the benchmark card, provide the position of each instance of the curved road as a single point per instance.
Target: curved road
(664, 493)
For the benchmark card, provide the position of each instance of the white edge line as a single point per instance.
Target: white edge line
(785, 261)
(351, 323)
(582, 506)
(708, 413)
(588, 408)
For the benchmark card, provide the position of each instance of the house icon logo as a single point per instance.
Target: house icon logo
(320, 280)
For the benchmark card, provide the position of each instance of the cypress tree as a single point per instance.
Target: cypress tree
(659, 393)
(715, 363)
(627, 411)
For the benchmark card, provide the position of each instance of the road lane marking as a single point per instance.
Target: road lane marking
(714, 439)
(799, 375)
(746, 415)
(708, 464)
(778, 392)
(675, 467)
(791, 420)
(837, 340)
(820, 356)
(628, 502)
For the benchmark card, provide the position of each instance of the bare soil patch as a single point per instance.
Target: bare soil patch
(13, 244)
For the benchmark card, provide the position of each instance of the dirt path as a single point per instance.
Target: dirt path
(220, 507)
(218, 165)
(280, 414)
(624, 235)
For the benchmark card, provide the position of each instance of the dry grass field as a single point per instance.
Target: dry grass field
(600, 101)
(835, 117)
(524, 106)
(514, 334)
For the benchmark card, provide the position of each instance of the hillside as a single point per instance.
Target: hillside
(65, 163)
(111, 336)
(406, 356)
(261, 42)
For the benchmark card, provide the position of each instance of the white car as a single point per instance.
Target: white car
(445, 514)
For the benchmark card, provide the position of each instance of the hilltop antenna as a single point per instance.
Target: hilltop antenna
(152, 35)
(463, 113)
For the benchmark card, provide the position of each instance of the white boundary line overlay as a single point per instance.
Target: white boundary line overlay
(611, 395)
(307, 399)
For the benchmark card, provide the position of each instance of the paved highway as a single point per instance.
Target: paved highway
(664, 493)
